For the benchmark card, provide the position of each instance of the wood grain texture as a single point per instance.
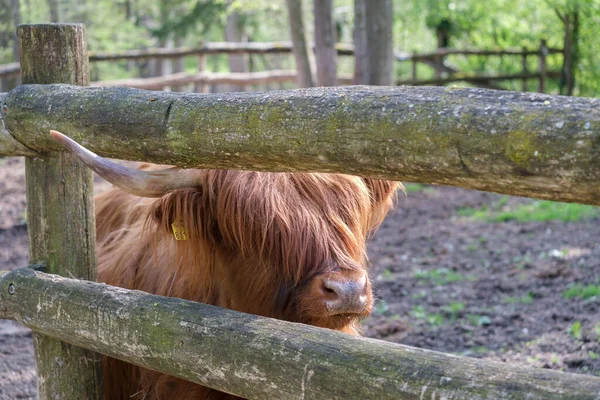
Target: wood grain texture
(524, 144)
(263, 358)
(9, 146)
(60, 210)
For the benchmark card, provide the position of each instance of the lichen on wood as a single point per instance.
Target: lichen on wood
(9, 146)
(523, 144)
(263, 358)
(60, 212)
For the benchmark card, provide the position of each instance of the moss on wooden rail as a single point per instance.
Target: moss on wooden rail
(9, 146)
(257, 357)
(515, 143)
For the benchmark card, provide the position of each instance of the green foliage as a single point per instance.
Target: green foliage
(413, 187)
(470, 24)
(440, 276)
(575, 330)
(532, 211)
(589, 292)
(453, 309)
(523, 299)
(381, 307)
(436, 319)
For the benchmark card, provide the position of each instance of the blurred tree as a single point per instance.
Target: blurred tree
(325, 39)
(373, 42)
(304, 62)
(234, 32)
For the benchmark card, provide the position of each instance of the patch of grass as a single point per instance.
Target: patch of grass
(440, 276)
(535, 211)
(523, 299)
(381, 307)
(436, 319)
(453, 309)
(479, 320)
(421, 294)
(589, 292)
(575, 330)
(413, 187)
(597, 331)
(475, 350)
(592, 355)
(387, 275)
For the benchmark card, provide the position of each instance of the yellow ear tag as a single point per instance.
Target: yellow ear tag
(179, 231)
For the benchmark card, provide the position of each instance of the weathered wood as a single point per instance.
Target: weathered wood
(477, 78)
(10, 70)
(264, 358)
(235, 78)
(60, 212)
(474, 52)
(9, 146)
(211, 48)
(5, 313)
(516, 143)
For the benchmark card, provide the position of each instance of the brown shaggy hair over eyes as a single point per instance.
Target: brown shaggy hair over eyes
(255, 241)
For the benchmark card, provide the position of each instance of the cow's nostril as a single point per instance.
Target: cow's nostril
(345, 296)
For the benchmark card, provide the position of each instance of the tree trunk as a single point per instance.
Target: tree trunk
(380, 42)
(361, 53)
(16, 18)
(237, 62)
(325, 39)
(178, 64)
(300, 45)
(53, 8)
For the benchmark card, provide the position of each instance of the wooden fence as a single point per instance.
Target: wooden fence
(514, 143)
(443, 73)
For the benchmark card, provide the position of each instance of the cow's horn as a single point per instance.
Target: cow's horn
(134, 181)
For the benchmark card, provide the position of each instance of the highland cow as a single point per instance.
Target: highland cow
(290, 246)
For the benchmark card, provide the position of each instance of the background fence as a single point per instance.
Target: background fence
(516, 143)
(202, 78)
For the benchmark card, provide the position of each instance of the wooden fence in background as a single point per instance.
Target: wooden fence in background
(517, 143)
(443, 74)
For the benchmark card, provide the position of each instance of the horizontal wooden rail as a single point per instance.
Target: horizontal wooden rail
(9, 146)
(466, 52)
(10, 70)
(183, 78)
(477, 78)
(499, 141)
(343, 49)
(211, 48)
(256, 357)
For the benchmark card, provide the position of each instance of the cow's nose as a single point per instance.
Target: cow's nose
(346, 296)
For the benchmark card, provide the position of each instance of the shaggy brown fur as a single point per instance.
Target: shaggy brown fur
(259, 243)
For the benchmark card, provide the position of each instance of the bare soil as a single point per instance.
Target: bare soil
(442, 282)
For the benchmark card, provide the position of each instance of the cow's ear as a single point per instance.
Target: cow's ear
(185, 214)
(383, 195)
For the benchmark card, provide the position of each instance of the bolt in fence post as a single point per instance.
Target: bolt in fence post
(60, 209)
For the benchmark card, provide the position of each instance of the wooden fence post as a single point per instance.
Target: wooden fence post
(524, 67)
(414, 66)
(201, 87)
(542, 55)
(60, 209)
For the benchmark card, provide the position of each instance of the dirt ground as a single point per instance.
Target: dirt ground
(442, 282)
